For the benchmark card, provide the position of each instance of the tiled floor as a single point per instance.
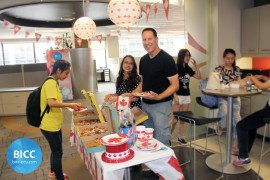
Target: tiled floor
(12, 128)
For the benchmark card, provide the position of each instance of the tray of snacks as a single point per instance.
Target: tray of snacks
(88, 114)
(142, 94)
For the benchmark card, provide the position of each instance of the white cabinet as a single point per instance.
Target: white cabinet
(264, 39)
(255, 39)
(250, 31)
(14, 103)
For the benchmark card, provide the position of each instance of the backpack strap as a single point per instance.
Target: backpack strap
(48, 108)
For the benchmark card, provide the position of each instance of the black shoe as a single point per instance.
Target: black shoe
(182, 141)
(170, 143)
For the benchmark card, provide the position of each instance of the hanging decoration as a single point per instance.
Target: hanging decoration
(26, 34)
(38, 36)
(89, 41)
(127, 28)
(192, 42)
(16, 28)
(79, 41)
(58, 41)
(148, 7)
(99, 37)
(48, 39)
(124, 13)
(5, 24)
(84, 28)
(166, 5)
(69, 42)
(156, 9)
(109, 34)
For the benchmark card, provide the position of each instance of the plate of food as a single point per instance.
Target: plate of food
(142, 94)
(147, 145)
(114, 139)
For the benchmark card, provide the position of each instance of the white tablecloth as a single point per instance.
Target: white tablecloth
(163, 163)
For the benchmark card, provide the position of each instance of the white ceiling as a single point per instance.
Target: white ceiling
(174, 25)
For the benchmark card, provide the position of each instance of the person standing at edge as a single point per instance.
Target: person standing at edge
(159, 76)
(51, 123)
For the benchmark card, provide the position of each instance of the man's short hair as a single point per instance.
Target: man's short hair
(150, 29)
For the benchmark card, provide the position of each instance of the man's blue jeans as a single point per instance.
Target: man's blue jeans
(55, 141)
(159, 114)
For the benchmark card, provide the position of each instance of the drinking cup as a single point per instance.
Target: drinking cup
(148, 135)
(140, 131)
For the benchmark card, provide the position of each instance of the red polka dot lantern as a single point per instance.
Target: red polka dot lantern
(124, 13)
(84, 28)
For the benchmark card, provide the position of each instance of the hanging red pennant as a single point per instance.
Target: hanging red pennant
(109, 34)
(156, 9)
(127, 28)
(58, 41)
(38, 36)
(79, 41)
(148, 7)
(99, 37)
(166, 5)
(5, 24)
(89, 40)
(26, 34)
(192, 42)
(69, 41)
(48, 39)
(16, 28)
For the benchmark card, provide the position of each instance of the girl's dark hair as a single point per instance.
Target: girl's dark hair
(229, 51)
(132, 76)
(180, 59)
(60, 64)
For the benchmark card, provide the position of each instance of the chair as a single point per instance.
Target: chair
(189, 117)
(199, 101)
(267, 121)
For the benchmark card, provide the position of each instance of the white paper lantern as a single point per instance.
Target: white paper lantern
(124, 13)
(84, 28)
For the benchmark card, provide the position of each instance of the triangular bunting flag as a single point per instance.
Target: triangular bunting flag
(38, 36)
(26, 34)
(48, 39)
(192, 42)
(166, 5)
(5, 24)
(58, 41)
(79, 41)
(16, 28)
(127, 28)
(69, 41)
(99, 37)
(109, 34)
(156, 9)
(148, 8)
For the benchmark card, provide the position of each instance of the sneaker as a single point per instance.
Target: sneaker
(170, 143)
(52, 175)
(182, 141)
(241, 162)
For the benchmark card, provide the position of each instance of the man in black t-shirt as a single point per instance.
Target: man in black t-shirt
(159, 76)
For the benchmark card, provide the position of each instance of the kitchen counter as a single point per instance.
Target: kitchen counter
(17, 89)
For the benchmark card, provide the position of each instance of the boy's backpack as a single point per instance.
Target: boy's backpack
(209, 100)
(33, 107)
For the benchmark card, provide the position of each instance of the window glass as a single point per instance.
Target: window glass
(40, 50)
(1, 56)
(134, 47)
(99, 53)
(18, 53)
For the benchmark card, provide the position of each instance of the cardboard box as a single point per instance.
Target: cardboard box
(139, 115)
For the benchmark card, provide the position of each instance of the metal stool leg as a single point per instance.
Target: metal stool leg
(261, 155)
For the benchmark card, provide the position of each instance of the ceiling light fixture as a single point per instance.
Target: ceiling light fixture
(84, 27)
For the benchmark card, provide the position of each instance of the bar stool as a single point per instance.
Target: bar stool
(189, 117)
(267, 122)
(210, 109)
